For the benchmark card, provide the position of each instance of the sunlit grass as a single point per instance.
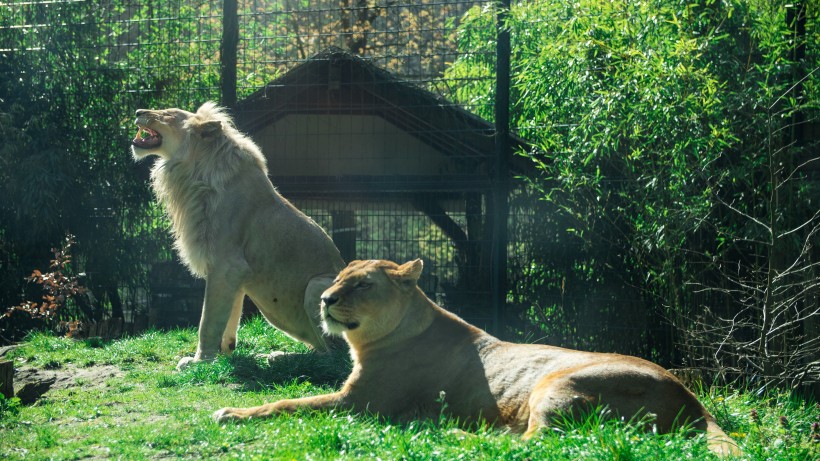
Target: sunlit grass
(152, 411)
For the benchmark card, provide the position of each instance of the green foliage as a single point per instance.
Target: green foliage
(177, 61)
(9, 407)
(62, 297)
(657, 126)
(621, 98)
(67, 166)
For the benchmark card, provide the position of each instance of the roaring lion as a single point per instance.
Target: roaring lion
(411, 357)
(232, 228)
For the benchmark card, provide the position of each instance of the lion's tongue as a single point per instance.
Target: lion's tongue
(150, 141)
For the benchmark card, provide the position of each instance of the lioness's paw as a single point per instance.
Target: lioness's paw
(225, 415)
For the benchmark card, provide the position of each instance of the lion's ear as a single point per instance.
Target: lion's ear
(408, 273)
(208, 129)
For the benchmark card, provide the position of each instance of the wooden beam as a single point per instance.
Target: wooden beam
(343, 233)
(7, 378)
(433, 210)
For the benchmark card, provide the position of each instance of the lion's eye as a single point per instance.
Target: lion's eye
(363, 285)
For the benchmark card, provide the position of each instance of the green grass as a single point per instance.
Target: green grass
(152, 411)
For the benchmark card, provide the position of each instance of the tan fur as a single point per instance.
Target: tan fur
(232, 228)
(408, 353)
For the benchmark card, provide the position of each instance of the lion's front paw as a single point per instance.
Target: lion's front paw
(185, 362)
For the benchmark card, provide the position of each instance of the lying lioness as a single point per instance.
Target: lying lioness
(408, 352)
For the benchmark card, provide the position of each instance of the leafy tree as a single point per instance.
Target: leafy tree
(413, 39)
(651, 116)
(66, 169)
(767, 222)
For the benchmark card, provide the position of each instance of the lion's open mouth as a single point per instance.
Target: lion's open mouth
(146, 138)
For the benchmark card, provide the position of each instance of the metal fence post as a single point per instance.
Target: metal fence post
(227, 55)
(500, 207)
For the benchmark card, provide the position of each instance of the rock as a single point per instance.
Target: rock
(33, 390)
(32, 383)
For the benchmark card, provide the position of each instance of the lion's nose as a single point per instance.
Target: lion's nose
(329, 300)
(141, 111)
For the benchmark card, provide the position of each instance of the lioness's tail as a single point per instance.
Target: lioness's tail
(717, 440)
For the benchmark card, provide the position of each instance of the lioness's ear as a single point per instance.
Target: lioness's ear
(208, 129)
(408, 273)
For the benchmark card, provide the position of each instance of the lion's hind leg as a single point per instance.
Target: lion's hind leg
(553, 401)
(232, 328)
(633, 389)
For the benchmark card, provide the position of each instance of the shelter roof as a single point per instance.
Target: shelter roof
(335, 82)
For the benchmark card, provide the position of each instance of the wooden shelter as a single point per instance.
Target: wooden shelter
(379, 162)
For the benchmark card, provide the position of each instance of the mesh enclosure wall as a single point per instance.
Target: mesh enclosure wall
(385, 163)
(376, 119)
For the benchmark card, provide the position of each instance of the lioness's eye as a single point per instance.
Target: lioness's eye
(363, 285)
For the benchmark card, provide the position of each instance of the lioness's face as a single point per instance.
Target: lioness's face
(365, 300)
(159, 132)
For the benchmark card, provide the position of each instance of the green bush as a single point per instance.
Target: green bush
(669, 154)
(9, 407)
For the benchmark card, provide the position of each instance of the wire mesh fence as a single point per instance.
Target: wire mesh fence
(377, 120)
(352, 104)
(354, 152)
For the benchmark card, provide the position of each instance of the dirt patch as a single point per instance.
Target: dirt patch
(31, 383)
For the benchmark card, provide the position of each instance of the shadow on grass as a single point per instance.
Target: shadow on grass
(320, 369)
